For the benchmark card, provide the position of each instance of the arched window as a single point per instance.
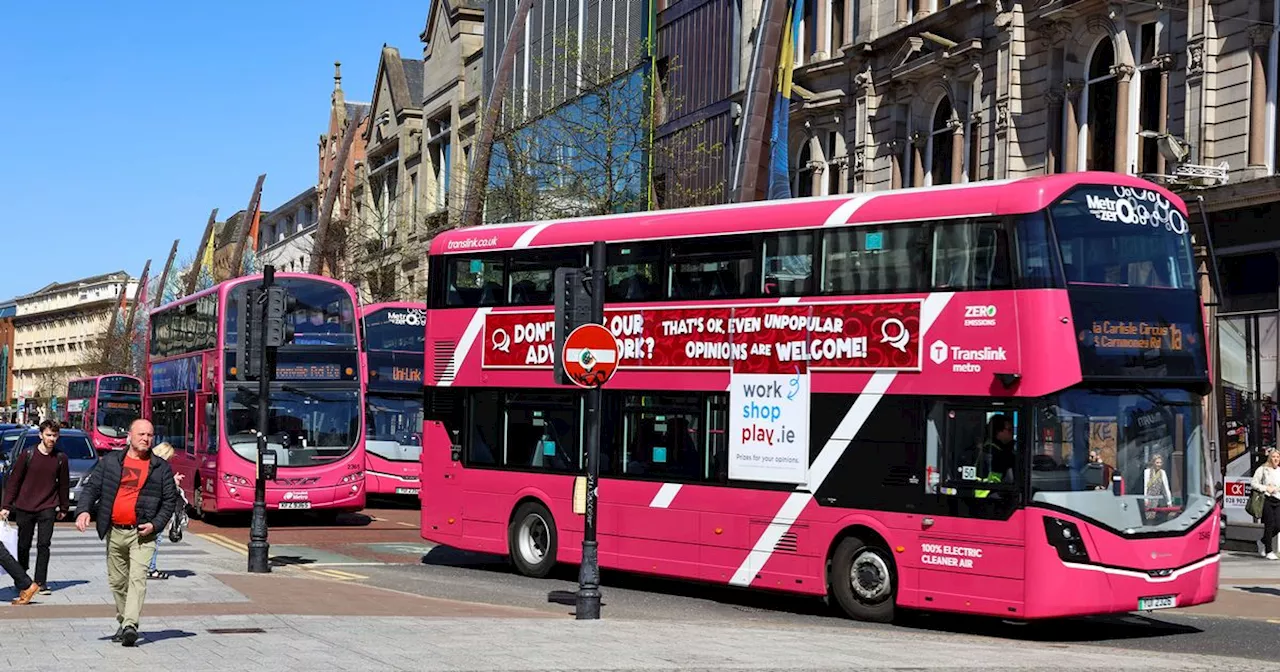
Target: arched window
(1098, 137)
(941, 139)
(804, 172)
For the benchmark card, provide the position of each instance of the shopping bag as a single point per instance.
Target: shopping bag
(9, 537)
(1254, 506)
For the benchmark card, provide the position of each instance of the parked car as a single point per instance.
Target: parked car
(81, 456)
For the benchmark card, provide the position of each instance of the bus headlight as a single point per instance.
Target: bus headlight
(1065, 538)
(352, 477)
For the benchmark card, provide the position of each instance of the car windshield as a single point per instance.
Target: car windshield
(306, 426)
(1132, 459)
(75, 447)
(114, 417)
(7, 441)
(393, 427)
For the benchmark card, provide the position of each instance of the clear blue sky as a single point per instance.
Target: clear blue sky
(123, 123)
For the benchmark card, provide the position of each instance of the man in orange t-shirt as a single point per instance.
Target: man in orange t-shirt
(133, 494)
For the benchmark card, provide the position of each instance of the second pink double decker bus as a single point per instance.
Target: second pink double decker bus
(982, 398)
(104, 406)
(393, 334)
(207, 408)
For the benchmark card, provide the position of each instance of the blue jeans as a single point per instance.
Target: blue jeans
(159, 538)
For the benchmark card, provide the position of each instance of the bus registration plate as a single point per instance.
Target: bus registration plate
(406, 491)
(1161, 602)
(295, 505)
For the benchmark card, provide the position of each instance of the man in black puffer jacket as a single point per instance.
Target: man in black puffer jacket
(133, 495)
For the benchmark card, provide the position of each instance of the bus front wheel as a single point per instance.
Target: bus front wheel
(532, 540)
(863, 580)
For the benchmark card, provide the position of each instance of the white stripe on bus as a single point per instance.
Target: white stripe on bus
(1115, 571)
(527, 237)
(665, 494)
(464, 346)
(839, 442)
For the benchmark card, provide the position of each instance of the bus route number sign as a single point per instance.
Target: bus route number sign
(590, 355)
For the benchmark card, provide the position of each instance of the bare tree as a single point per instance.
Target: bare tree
(371, 245)
(594, 154)
(110, 352)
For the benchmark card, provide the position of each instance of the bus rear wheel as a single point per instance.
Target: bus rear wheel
(863, 579)
(532, 540)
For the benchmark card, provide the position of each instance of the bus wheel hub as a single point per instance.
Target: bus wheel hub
(869, 576)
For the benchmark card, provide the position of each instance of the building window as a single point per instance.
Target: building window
(809, 32)
(413, 203)
(804, 171)
(1099, 106)
(833, 149)
(837, 25)
(441, 162)
(941, 139)
(1149, 113)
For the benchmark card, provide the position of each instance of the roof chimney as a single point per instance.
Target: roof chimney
(337, 75)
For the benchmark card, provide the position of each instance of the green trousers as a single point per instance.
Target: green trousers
(128, 558)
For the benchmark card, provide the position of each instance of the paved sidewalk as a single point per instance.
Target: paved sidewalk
(213, 616)
(323, 643)
(1248, 587)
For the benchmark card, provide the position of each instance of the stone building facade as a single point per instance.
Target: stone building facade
(452, 59)
(54, 327)
(384, 236)
(287, 233)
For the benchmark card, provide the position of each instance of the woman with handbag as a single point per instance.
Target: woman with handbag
(1266, 482)
(164, 451)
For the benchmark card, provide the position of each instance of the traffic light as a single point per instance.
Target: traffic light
(573, 308)
(280, 304)
(246, 345)
(254, 338)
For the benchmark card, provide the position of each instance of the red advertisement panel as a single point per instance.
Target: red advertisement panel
(846, 336)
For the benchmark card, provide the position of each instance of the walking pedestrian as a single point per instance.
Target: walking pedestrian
(1266, 479)
(164, 451)
(38, 492)
(133, 494)
(21, 580)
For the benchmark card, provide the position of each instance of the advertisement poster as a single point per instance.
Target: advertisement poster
(845, 336)
(769, 423)
(1237, 493)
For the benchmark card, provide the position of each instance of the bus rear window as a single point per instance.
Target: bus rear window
(1123, 236)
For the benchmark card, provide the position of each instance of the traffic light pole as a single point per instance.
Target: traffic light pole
(588, 598)
(258, 546)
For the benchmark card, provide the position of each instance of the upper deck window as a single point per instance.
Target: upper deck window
(475, 281)
(1123, 236)
(634, 272)
(971, 255)
(710, 268)
(864, 260)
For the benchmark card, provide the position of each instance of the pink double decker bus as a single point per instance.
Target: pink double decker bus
(104, 406)
(982, 398)
(202, 403)
(393, 334)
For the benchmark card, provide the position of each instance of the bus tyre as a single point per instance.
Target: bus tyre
(532, 540)
(197, 502)
(863, 580)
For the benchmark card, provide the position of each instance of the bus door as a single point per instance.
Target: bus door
(970, 554)
(446, 442)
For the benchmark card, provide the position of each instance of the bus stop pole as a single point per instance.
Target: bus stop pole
(588, 598)
(258, 546)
